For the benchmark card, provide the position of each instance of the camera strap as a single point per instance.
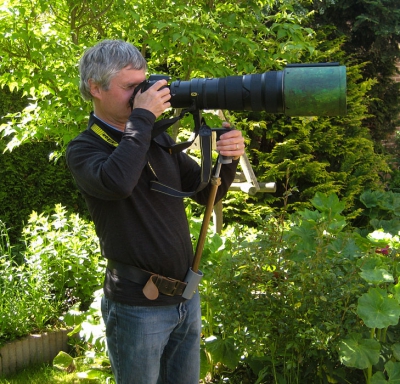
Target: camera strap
(205, 139)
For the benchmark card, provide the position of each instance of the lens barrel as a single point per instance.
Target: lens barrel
(298, 90)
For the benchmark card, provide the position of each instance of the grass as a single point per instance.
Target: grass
(44, 374)
(40, 374)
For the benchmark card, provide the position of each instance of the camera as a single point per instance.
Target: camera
(298, 90)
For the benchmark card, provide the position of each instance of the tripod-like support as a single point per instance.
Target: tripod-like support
(194, 275)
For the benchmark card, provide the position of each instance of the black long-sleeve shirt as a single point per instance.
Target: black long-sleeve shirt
(136, 225)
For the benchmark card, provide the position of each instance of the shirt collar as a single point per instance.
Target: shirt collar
(108, 125)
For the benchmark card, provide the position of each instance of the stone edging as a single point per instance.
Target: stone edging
(33, 349)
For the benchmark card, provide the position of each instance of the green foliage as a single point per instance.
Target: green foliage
(372, 31)
(380, 210)
(42, 43)
(359, 353)
(27, 302)
(30, 181)
(379, 309)
(284, 295)
(64, 249)
(11, 102)
(279, 298)
(61, 265)
(286, 301)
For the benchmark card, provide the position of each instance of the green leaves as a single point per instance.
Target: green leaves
(223, 351)
(393, 371)
(64, 362)
(328, 203)
(376, 276)
(354, 351)
(377, 310)
(40, 45)
(382, 210)
(316, 228)
(64, 248)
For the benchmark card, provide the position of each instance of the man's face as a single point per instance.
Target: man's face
(112, 105)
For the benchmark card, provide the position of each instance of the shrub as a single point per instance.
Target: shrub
(27, 303)
(64, 248)
(61, 265)
(29, 181)
(281, 299)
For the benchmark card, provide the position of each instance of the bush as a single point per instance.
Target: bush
(64, 248)
(281, 299)
(27, 303)
(29, 181)
(61, 265)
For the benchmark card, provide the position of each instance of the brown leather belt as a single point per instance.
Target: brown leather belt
(165, 285)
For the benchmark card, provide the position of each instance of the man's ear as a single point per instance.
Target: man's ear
(95, 89)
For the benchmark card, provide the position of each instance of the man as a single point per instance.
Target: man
(152, 339)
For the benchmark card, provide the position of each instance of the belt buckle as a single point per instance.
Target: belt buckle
(167, 285)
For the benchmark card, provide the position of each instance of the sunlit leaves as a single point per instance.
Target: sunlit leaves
(357, 352)
(41, 43)
(223, 351)
(377, 310)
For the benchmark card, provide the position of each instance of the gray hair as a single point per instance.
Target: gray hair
(104, 60)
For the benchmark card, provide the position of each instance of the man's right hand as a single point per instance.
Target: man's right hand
(155, 99)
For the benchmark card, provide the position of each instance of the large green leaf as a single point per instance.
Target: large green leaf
(223, 351)
(370, 262)
(391, 203)
(393, 371)
(358, 352)
(64, 362)
(371, 199)
(377, 310)
(378, 378)
(329, 203)
(377, 276)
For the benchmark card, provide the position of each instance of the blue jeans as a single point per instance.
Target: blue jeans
(154, 345)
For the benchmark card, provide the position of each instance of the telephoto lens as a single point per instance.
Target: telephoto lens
(298, 90)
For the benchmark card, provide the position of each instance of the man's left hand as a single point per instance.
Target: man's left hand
(231, 144)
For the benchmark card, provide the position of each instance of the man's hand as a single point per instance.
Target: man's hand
(231, 143)
(155, 99)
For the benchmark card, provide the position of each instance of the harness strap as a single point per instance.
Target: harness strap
(205, 136)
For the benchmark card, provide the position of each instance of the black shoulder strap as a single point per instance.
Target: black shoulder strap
(205, 136)
(161, 126)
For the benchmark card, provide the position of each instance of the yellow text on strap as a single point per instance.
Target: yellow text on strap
(96, 129)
